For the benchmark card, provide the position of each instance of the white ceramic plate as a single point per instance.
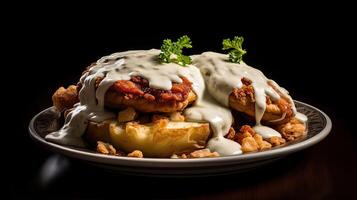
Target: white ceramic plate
(319, 126)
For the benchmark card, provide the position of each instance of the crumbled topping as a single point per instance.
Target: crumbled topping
(136, 154)
(202, 153)
(106, 148)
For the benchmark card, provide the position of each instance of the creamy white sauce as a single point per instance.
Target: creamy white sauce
(266, 132)
(207, 109)
(213, 79)
(301, 117)
(222, 76)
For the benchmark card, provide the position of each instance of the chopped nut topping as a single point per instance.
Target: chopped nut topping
(106, 148)
(65, 98)
(292, 130)
(231, 134)
(247, 128)
(249, 145)
(263, 145)
(136, 154)
(276, 141)
(202, 153)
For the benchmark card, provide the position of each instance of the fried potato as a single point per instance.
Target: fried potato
(162, 138)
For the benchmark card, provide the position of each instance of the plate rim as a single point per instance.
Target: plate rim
(168, 162)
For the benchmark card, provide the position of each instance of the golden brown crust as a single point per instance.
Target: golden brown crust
(136, 93)
(161, 138)
(249, 145)
(292, 130)
(64, 99)
(276, 141)
(136, 154)
(202, 153)
(108, 149)
(243, 100)
(250, 141)
(118, 100)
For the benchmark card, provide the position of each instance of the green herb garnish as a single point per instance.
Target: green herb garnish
(172, 51)
(237, 52)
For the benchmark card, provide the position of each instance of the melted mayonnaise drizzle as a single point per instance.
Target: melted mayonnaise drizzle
(212, 77)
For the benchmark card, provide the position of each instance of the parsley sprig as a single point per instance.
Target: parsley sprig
(236, 53)
(172, 51)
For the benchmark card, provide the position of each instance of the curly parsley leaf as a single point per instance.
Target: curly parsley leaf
(172, 51)
(235, 46)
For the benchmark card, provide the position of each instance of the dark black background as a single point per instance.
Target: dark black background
(307, 49)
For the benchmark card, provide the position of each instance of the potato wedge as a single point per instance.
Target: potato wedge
(160, 139)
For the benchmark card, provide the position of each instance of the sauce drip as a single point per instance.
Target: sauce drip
(222, 76)
(207, 109)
